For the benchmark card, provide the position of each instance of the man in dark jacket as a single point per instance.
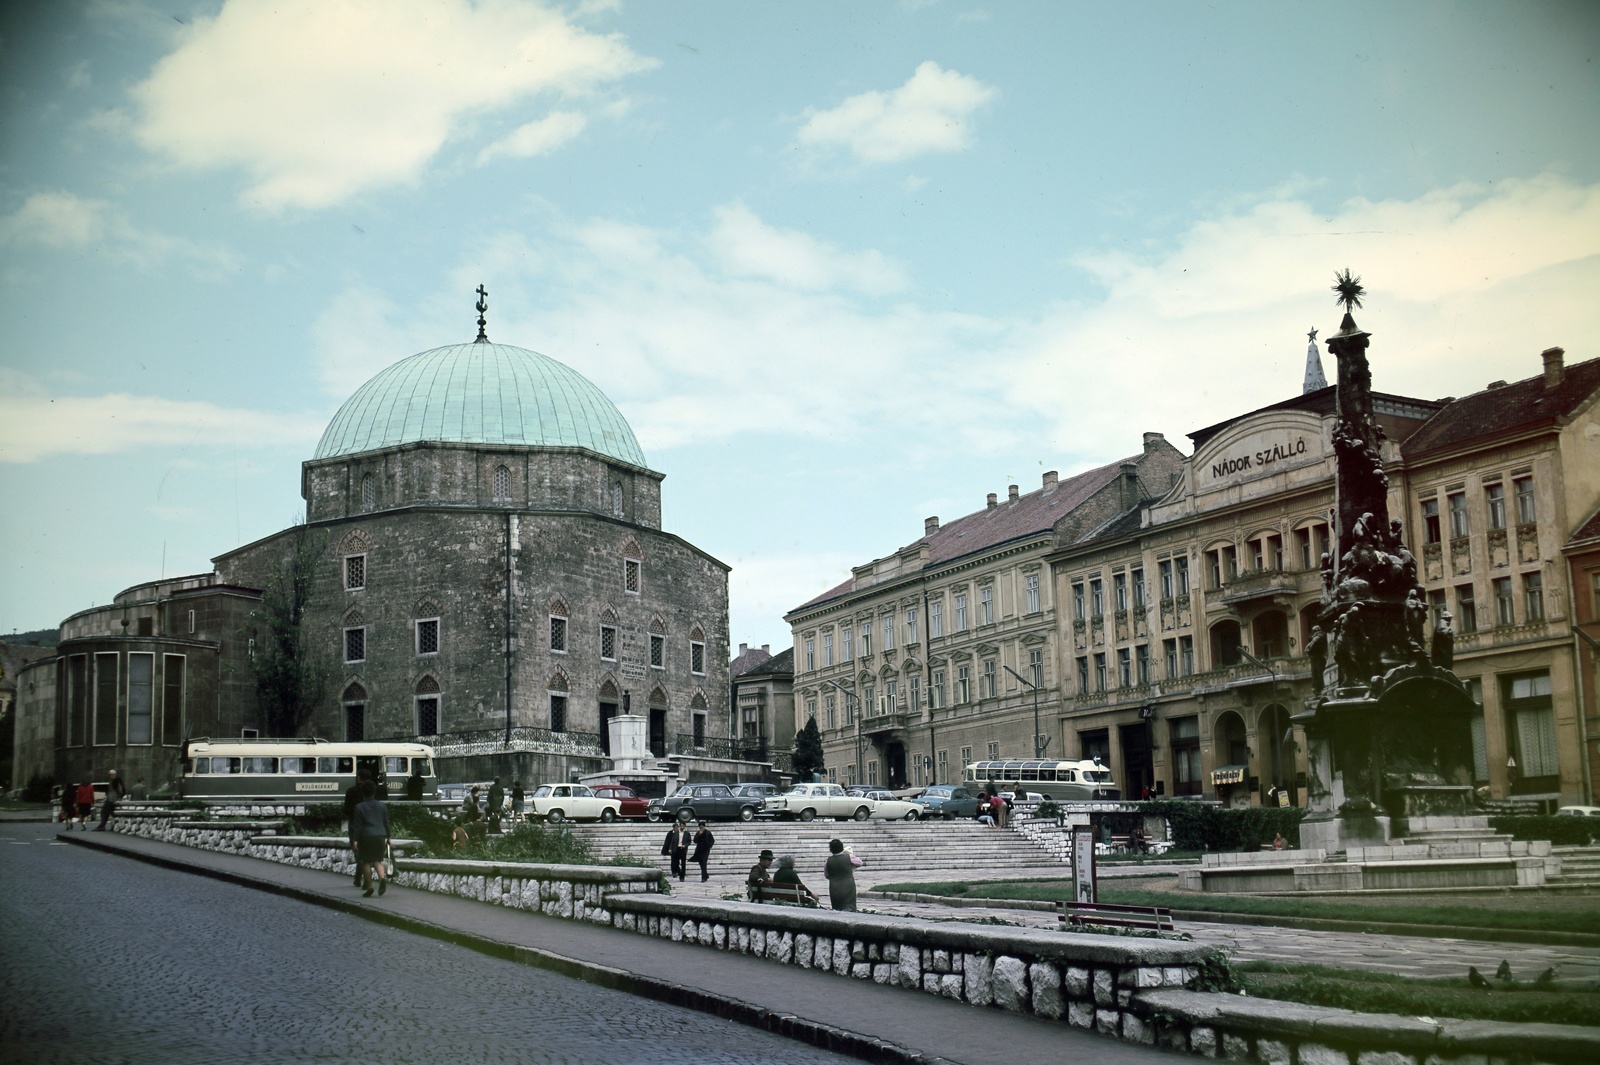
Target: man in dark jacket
(497, 804)
(760, 876)
(370, 833)
(352, 799)
(676, 846)
(703, 840)
(115, 790)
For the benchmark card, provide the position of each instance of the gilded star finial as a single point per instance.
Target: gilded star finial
(483, 305)
(1349, 290)
(1312, 336)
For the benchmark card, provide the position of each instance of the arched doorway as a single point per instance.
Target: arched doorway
(1275, 737)
(355, 713)
(1230, 773)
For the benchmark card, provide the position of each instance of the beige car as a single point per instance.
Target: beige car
(571, 802)
(807, 801)
(885, 807)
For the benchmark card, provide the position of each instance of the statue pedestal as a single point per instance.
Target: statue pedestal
(1337, 835)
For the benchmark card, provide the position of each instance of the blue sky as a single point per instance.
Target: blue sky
(841, 265)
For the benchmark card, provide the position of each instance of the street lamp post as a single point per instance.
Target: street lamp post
(1038, 748)
(861, 768)
(1277, 749)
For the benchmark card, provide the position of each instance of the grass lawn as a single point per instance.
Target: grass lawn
(1371, 992)
(1522, 911)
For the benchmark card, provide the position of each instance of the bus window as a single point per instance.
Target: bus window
(297, 765)
(395, 766)
(224, 765)
(1047, 774)
(260, 765)
(422, 767)
(199, 765)
(336, 765)
(1069, 775)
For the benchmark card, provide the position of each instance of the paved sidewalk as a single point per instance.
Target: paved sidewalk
(854, 1017)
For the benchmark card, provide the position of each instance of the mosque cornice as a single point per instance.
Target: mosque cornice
(484, 447)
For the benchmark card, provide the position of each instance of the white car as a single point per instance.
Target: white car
(1578, 811)
(571, 802)
(885, 807)
(806, 801)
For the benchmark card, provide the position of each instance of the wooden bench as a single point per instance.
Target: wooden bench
(1082, 914)
(785, 894)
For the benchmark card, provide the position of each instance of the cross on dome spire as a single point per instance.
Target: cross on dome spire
(483, 305)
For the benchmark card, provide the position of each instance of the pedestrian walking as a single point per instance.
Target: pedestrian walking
(840, 869)
(371, 836)
(115, 790)
(676, 847)
(703, 841)
(497, 805)
(760, 876)
(519, 802)
(69, 804)
(352, 799)
(85, 802)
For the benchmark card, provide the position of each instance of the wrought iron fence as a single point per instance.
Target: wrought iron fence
(521, 735)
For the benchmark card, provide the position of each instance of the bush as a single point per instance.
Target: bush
(1568, 831)
(321, 818)
(1196, 826)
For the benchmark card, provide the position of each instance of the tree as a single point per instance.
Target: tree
(290, 676)
(808, 757)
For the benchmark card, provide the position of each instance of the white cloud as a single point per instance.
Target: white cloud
(749, 247)
(319, 99)
(64, 220)
(537, 138)
(931, 112)
(762, 588)
(357, 336)
(35, 425)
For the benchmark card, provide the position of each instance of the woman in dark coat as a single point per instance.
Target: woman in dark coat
(369, 833)
(69, 804)
(786, 875)
(703, 840)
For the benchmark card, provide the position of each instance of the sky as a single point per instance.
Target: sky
(841, 265)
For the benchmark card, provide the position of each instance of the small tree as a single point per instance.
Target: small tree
(808, 757)
(290, 675)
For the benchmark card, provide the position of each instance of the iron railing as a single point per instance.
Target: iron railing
(521, 735)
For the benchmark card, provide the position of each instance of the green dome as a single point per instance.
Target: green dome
(480, 394)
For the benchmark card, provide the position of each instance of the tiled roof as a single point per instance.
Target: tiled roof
(1522, 405)
(1006, 521)
(748, 660)
(783, 662)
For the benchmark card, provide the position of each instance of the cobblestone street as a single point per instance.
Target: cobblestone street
(107, 960)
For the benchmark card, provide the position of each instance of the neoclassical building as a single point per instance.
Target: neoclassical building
(482, 556)
(939, 654)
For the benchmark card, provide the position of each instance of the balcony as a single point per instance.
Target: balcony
(891, 721)
(1287, 670)
(1247, 586)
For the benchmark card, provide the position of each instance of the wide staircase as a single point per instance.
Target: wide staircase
(1579, 865)
(889, 850)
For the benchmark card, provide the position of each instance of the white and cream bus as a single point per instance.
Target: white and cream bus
(301, 769)
(1086, 781)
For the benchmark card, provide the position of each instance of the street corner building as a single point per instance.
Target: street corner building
(481, 561)
(1157, 613)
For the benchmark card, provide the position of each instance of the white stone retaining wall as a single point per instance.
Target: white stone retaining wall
(1130, 988)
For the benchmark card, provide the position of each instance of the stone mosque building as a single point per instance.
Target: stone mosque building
(482, 557)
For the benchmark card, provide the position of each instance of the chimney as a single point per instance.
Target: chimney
(1553, 367)
(992, 499)
(1130, 484)
(1011, 493)
(930, 525)
(766, 649)
(743, 647)
(1151, 440)
(1050, 479)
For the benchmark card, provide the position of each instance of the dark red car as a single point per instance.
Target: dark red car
(632, 805)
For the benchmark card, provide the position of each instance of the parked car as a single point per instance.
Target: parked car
(1578, 811)
(885, 807)
(756, 791)
(632, 803)
(806, 801)
(948, 801)
(570, 802)
(709, 802)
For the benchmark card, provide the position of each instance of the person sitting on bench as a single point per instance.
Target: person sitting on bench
(787, 877)
(759, 877)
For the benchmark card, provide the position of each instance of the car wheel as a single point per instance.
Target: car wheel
(911, 815)
(554, 817)
(652, 815)
(747, 813)
(948, 816)
(685, 815)
(862, 813)
(807, 814)
(607, 815)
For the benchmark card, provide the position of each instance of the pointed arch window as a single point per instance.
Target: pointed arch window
(558, 627)
(697, 651)
(428, 704)
(501, 484)
(557, 692)
(658, 644)
(354, 700)
(369, 491)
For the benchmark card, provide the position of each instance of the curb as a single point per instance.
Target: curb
(812, 1033)
(1533, 937)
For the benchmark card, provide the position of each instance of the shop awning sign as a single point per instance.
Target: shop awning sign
(1229, 774)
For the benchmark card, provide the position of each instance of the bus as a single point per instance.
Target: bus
(280, 769)
(1086, 781)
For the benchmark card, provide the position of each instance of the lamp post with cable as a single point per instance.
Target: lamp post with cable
(1038, 748)
(848, 694)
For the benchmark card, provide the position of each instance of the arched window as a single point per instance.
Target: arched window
(658, 644)
(428, 702)
(558, 625)
(502, 484)
(616, 498)
(697, 651)
(1225, 642)
(355, 713)
(369, 492)
(557, 691)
